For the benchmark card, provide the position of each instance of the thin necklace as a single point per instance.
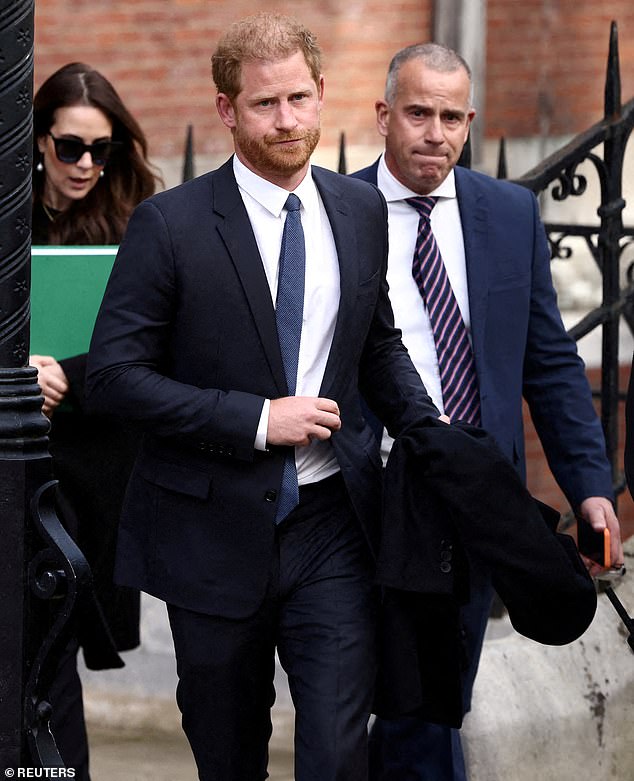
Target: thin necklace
(49, 213)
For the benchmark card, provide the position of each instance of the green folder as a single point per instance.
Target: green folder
(67, 285)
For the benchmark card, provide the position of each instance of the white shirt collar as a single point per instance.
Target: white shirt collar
(269, 195)
(393, 190)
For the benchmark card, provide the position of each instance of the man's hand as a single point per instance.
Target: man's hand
(296, 420)
(52, 381)
(599, 513)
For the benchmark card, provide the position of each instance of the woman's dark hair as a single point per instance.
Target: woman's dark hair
(101, 217)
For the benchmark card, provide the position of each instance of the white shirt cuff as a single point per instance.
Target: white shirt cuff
(263, 426)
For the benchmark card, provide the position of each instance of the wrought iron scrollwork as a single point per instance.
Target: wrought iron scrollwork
(57, 573)
(629, 270)
(570, 183)
(557, 250)
(605, 240)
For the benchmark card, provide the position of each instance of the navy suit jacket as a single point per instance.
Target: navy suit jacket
(185, 344)
(520, 345)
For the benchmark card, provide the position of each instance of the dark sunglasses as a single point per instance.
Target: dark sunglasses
(70, 151)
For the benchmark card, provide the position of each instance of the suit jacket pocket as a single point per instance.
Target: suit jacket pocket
(179, 478)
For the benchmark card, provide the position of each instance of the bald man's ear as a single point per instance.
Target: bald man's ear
(382, 117)
(470, 115)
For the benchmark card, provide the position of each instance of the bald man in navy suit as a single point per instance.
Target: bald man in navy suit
(495, 251)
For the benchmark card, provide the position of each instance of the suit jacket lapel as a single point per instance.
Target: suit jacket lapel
(345, 242)
(239, 240)
(474, 217)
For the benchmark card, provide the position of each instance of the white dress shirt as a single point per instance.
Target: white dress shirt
(410, 314)
(264, 203)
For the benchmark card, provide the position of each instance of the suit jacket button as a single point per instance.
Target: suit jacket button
(270, 496)
(445, 566)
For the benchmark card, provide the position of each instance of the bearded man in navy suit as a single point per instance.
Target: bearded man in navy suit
(495, 251)
(186, 345)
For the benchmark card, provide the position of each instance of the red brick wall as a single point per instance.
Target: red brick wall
(546, 63)
(157, 54)
(545, 59)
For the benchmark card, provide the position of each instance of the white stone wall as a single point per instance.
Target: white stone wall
(556, 713)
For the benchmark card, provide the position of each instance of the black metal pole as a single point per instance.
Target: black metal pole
(188, 159)
(620, 609)
(41, 570)
(342, 166)
(608, 244)
(19, 403)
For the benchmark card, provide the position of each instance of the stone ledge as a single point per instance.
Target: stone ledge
(556, 713)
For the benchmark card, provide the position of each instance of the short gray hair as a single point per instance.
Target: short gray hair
(435, 56)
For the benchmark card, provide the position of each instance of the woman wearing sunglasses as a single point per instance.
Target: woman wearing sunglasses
(90, 160)
(90, 171)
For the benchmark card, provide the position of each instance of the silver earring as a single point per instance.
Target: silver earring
(102, 173)
(39, 167)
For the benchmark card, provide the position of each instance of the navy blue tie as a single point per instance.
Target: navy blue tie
(289, 311)
(456, 365)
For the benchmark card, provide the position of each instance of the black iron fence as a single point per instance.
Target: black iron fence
(559, 174)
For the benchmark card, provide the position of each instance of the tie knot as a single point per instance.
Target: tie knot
(293, 203)
(423, 204)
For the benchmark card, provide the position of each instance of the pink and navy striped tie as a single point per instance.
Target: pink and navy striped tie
(456, 364)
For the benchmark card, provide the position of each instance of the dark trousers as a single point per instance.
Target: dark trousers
(411, 749)
(67, 721)
(320, 615)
